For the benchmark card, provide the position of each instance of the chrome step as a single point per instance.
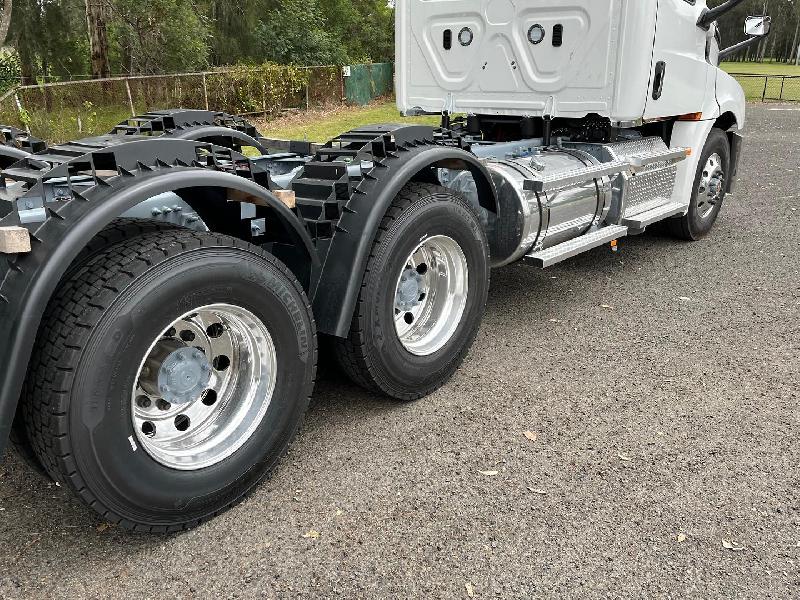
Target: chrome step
(646, 159)
(659, 213)
(556, 254)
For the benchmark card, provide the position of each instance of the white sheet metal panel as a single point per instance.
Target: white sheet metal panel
(681, 45)
(502, 73)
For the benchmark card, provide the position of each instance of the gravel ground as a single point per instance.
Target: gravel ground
(661, 384)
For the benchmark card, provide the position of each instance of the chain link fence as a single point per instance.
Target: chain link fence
(70, 110)
(770, 88)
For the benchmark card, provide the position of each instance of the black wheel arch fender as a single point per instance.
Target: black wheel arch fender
(216, 133)
(9, 155)
(335, 291)
(29, 284)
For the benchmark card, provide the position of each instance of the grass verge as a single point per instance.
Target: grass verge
(323, 124)
(765, 68)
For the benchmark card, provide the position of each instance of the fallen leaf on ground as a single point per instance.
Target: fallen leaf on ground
(729, 545)
(681, 537)
(489, 473)
(531, 435)
(103, 526)
(311, 534)
(470, 590)
(624, 457)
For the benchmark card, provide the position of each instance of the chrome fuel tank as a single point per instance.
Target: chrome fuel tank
(528, 220)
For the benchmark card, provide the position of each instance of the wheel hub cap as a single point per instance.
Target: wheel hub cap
(711, 187)
(183, 375)
(409, 290)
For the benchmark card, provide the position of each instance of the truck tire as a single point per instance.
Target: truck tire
(422, 298)
(709, 190)
(116, 231)
(170, 375)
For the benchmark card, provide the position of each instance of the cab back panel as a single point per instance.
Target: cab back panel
(502, 72)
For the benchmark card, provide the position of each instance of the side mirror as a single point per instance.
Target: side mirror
(757, 26)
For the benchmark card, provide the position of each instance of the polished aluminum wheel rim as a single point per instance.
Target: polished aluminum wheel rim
(431, 295)
(712, 186)
(204, 386)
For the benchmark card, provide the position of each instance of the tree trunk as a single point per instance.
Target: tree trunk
(5, 21)
(25, 65)
(793, 50)
(98, 39)
(46, 91)
(774, 43)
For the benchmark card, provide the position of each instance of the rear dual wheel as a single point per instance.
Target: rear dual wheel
(423, 295)
(170, 375)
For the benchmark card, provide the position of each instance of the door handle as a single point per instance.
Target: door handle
(658, 80)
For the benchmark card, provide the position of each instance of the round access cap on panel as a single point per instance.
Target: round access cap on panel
(536, 34)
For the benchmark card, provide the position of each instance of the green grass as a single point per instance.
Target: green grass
(765, 68)
(324, 124)
(62, 124)
(316, 125)
(776, 87)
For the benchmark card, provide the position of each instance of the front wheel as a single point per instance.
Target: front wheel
(171, 373)
(422, 298)
(709, 189)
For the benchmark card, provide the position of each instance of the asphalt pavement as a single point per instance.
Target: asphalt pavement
(626, 426)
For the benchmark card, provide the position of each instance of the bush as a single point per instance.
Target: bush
(9, 70)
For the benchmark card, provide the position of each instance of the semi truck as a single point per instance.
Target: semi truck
(163, 295)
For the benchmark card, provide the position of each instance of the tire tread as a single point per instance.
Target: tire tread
(74, 310)
(681, 227)
(351, 352)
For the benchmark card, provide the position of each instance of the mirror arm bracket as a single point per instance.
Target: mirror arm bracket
(723, 54)
(711, 15)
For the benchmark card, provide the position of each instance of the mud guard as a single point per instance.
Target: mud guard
(142, 168)
(393, 156)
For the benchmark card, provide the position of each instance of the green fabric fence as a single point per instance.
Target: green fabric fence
(367, 82)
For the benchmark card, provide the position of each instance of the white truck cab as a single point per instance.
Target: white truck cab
(627, 60)
(614, 80)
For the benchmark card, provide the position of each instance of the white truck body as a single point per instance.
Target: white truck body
(160, 373)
